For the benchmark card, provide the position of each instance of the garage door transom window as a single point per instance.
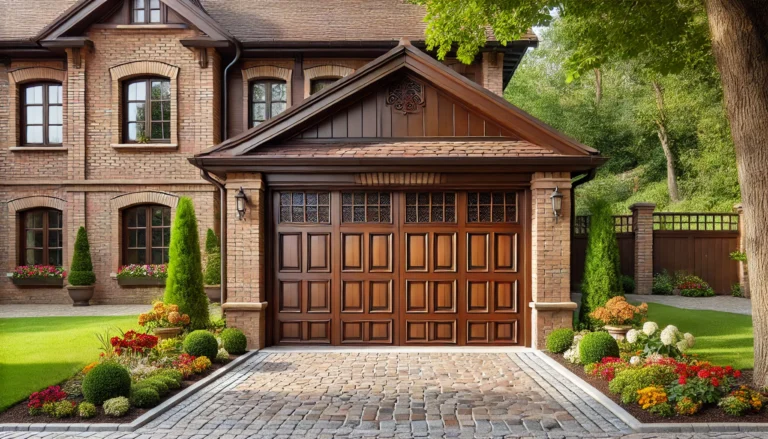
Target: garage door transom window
(366, 207)
(492, 207)
(305, 207)
(430, 207)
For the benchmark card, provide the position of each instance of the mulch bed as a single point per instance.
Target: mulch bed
(19, 413)
(709, 413)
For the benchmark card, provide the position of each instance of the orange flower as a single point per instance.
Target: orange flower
(617, 311)
(174, 317)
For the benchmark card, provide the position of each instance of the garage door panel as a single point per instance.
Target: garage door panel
(477, 332)
(380, 258)
(477, 252)
(443, 296)
(289, 296)
(416, 252)
(430, 331)
(319, 252)
(367, 332)
(319, 296)
(352, 252)
(416, 296)
(290, 252)
(477, 296)
(505, 252)
(380, 296)
(352, 296)
(444, 252)
(505, 296)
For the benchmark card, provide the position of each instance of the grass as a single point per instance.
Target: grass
(42, 351)
(722, 338)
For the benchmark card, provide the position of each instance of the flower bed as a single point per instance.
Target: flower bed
(142, 275)
(134, 372)
(38, 275)
(650, 375)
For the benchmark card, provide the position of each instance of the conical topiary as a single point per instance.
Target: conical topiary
(602, 271)
(81, 271)
(212, 275)
(184, 286)
(211, 242)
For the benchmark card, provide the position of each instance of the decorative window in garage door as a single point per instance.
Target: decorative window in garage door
(366, 207)
(305, 207)
(492, 207)
(430, 207)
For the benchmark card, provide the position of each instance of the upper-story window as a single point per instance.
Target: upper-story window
(268, 99)
(41, 114)
(147, 110)
(42, 239)
(320, 83)
(146, 11)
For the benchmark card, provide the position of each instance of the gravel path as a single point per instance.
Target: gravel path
(9, 311)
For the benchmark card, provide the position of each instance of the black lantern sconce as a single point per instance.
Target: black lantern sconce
(557, 203)
(240, 202)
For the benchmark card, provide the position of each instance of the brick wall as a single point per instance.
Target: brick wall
(492, 69)
(642, 220)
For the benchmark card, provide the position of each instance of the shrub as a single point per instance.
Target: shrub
(602, 275)
(86, 410)
(213, 269)
(81, 271)
(692, 286)
(629, 381)
(117, 407)
(201, 343)
(156, 383)
(184, 286)
(145, 397)
(201, 364)
(597, 345)
(38, 399)
(607, 368)
(170, 382)
(617, 311)
(211, 242)
(234, 341)
(183, 365)
(663, 284)
(559, 340)
(106, 381)
(627, 284)
(60, 409)
(222, 356)
(737, 290)
(670, 341)
(664, 410)
(688, 406)
(170, 373)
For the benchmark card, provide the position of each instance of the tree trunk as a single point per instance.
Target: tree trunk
(598, 86)
(739, 31)
(661, 123)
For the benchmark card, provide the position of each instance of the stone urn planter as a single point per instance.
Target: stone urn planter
(213, 292)
(618, 332)
(80, 294)
(163, 333)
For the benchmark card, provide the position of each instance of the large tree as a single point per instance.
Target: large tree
(668, 36)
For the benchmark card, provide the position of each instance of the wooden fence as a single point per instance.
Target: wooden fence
(694, 243)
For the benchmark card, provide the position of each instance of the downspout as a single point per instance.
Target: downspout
(222, 229)
(226, 88)
(588, 176)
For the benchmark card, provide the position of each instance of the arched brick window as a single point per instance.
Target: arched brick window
(146, 234)
(42, 237)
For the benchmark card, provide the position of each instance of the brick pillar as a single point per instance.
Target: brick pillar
(551, 303)
(245, 300)
(492, 70)
(642, 221)
(743, 271)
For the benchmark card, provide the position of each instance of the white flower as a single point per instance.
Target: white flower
(634, 360)
(632, 335)
(689, 339)
(649, 328)
(669, 335)
(682, 345)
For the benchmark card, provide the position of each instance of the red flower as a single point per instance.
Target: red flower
(736, 373)
(715, 382)
(682, 381)
(703, 374)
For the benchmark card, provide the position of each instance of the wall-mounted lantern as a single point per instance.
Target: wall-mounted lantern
(557, 203)
(240, 202)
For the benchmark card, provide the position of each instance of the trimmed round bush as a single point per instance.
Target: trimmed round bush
(170, 382)
(201, 343)
(117, 406)
(86, 410)
(234, 341)
(156, 383)
(597, 345)
(106, 381)
(170, 373)
(560, 340)
(145, 397)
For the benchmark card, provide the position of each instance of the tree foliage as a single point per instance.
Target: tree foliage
(184, 286)
(602, 271)
(81, 271)
(211, 242)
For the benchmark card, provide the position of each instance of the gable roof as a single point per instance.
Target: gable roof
(403, 57)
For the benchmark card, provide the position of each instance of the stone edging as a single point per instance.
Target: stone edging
(640, 427)
(141, 420)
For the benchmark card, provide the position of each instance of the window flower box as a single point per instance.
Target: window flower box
(38, 276)
(142, 275)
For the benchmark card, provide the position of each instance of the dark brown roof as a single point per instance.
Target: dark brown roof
(384, 148)
(22, 20)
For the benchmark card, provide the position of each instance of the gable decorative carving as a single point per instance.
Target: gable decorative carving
(406, 96)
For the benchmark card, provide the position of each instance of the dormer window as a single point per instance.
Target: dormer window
(146, 12)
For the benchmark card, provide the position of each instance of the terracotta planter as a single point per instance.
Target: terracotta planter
(618, 332)
(39, 282)
(140, 282)
(213, 292)
(163, 333)
(80, 294)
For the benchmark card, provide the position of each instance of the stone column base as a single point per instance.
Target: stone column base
(249, 318)
(548, 316)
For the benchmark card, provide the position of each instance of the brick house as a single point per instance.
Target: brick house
(386, 198)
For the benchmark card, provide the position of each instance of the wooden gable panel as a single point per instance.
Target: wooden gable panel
(371, 117)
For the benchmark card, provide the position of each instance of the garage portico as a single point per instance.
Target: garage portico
(404, 205)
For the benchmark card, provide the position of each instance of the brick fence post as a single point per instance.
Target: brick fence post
(742, 242)
(642, 221)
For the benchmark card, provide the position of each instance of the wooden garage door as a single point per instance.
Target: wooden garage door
(399, 268)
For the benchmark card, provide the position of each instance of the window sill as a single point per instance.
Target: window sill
(37, 148)
(145, 146)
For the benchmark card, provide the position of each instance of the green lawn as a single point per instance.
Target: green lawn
(38, 352)
(722, 338)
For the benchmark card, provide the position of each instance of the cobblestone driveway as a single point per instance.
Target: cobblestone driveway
(326, 395)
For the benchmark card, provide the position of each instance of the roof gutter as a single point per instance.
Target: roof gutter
(222, 230)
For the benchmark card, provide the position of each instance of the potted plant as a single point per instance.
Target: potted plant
(135, 275)
(81, 276)
(38, 276)
(618, 316)
(212, 275)
(165, 321)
